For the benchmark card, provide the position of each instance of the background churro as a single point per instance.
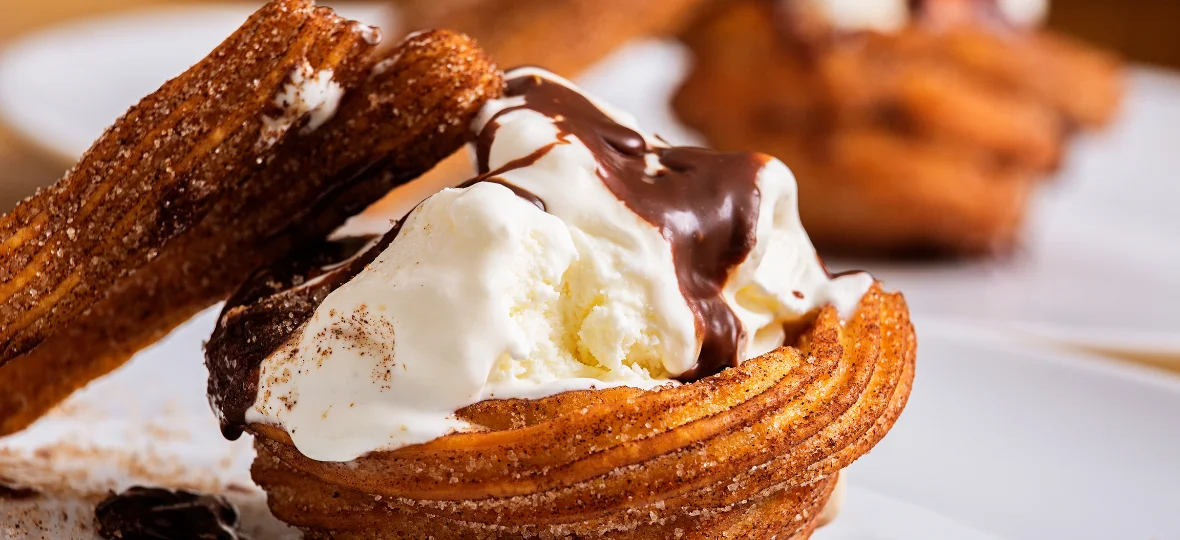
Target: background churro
(565, 37)
(925, 138)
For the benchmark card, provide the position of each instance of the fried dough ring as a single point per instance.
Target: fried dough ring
(752, 450)
(565, 37)
(913, 141)
(396, 122)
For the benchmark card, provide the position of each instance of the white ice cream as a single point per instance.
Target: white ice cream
(485, 295)
(310, 94)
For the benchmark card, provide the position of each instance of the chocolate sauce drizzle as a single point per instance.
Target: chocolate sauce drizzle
(269, 307)
(704, 203)
(142, 513)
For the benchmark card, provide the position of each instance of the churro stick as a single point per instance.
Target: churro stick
(411, 110)
(161, 168)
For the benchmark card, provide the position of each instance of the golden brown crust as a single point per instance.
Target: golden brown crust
(753, 450)
(159, 169)
(565, 37)
(394, 123)
(918, 140)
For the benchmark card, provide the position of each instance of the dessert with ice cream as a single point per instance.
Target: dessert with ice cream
(437, 368)
(565, 265)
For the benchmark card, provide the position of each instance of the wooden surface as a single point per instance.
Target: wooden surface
(1144, 30)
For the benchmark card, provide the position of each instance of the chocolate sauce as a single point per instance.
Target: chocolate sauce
(269, 307)
(704, 203)
(142, 513)
(518, 163)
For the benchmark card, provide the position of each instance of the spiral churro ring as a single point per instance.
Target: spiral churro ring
(928, 138)
(204, 181)
(752, 450)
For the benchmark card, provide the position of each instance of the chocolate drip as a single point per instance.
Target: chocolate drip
(705, 204)
(519, 191)
(483, 148)
(518, 163)
(142, 513)
(268, 309)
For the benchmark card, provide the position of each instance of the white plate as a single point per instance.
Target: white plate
(1001, 439)
(1015, 441)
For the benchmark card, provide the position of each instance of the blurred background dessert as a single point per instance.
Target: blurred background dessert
(912, 126)
(566, 36)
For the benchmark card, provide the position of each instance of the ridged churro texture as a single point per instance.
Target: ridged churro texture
(192, 189)
(753, 451)
(927, 139)
(564, 37)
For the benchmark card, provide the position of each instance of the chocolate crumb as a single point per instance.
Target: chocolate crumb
(143, 513)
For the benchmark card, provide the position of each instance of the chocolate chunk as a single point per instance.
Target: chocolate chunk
(143, 513)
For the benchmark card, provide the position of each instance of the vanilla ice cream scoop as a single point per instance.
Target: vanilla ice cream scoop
(585, 254)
